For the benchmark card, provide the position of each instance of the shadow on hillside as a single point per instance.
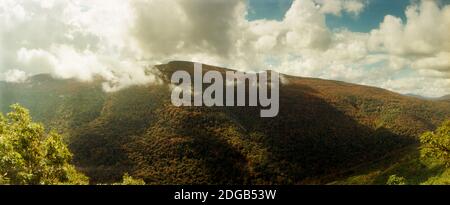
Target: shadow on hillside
(412, 167)
(223, 162)
(98, 145)
(311, 138)
(183, 146)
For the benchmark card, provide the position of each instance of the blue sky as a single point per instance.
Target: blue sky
(367, 20)
(267, 9)
(371, 17)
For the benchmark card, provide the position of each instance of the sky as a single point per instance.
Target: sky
(401, 45)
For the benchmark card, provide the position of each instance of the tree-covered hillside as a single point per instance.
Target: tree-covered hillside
(323, 128)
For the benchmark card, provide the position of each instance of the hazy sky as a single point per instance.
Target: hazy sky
(401, 45)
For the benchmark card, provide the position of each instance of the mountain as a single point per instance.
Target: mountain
(442, 98)
(323, 128)
(445, 97)
(418, 96)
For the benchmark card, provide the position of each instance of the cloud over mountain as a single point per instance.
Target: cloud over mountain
(120, 39)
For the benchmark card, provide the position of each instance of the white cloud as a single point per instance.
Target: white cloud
(354, 6)
(14, 76)
(165, 28)
(266, 43)
(419, 84)
(336, 7)
(425, 32)
(71, 39)
(439, 62)
(421, 43)
(119, 40)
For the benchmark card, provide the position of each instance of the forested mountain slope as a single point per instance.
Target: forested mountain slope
(323, 127)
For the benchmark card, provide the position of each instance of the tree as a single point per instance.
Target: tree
(128, 180)
(396, 180)
(437, 144)
(30, 155)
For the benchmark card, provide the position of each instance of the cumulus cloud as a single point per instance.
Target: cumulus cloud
(423, 37)
(121, 40)
(15, 76)
(336, 7)
(217, 32)
(71, 39)
(167, 27)
(420, 44)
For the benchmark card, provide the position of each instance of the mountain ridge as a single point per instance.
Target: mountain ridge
(323, 127)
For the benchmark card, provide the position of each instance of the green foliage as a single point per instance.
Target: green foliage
(396, 180)
(416, 170)
(129, 180)
(437, 144)
(29, 155)
(425, 164)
